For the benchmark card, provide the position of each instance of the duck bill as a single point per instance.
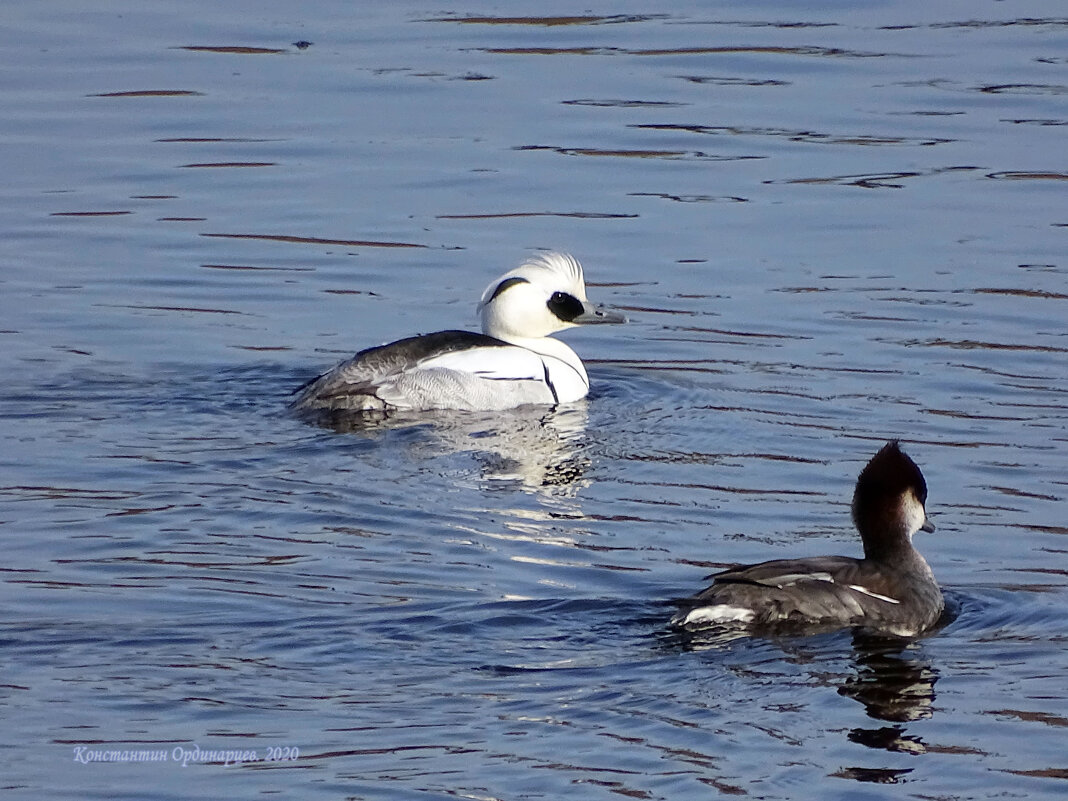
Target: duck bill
(927, 526)
(597, 315)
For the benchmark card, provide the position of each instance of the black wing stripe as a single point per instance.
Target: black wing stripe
(549, 383)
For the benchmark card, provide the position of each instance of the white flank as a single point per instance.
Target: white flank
(721, 613)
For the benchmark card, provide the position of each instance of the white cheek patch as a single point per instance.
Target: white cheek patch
(721, 613)
(915, 515)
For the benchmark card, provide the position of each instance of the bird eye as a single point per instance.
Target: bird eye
(566, 307)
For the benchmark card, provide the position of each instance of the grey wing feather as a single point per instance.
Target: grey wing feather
(802, 590)
(820, 591)
(388, 376)
(783, 572)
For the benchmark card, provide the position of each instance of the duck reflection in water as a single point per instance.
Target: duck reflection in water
(542, 451)
(894, 683)
(889, 676)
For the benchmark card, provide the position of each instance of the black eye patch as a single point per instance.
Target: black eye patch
(566, 307)
(503, 285)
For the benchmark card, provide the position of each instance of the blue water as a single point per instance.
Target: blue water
(829, 226)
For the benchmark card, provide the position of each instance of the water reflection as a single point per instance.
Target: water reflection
(890, 677)
(535, 449)
(894, 683)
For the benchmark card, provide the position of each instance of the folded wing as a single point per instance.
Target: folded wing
(445, 370)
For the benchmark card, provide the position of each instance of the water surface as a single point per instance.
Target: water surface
(828, 230)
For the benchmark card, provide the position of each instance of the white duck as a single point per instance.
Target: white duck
(512, 363)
